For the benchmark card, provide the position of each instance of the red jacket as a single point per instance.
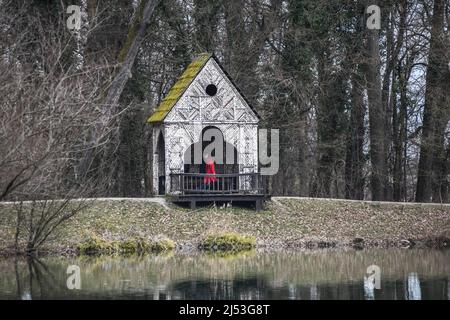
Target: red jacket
(210, 169)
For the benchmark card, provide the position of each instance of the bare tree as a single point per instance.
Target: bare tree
(47, 103)
(110, 104)
(436, 112)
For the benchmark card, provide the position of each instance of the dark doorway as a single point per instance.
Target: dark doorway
(226, 159)
(160, 153)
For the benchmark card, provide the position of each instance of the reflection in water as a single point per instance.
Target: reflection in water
(315, 275)
(314, 292)
(414, 287)
(369, 289)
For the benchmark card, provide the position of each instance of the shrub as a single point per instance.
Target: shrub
(97, 245)
(162, 245)
(136, 245)
(228, 242)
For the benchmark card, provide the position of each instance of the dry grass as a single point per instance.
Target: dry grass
(282, 223)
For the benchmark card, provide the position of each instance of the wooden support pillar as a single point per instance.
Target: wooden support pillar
(193, 204)
(258, 205)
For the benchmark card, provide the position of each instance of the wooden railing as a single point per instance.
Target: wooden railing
(236, 183)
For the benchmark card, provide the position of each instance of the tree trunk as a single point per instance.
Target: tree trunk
(399, 129)
(376, 115)
(354, 164)
(400, 76)
(127, 57)
(435, 115)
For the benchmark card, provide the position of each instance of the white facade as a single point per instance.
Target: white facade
(195, 110)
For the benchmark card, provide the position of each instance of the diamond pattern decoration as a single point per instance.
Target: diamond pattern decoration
(226, 106)
(195, 110)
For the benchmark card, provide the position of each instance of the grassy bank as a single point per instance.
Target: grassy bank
(283, 223)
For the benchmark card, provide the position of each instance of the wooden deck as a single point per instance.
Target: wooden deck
(239, 188)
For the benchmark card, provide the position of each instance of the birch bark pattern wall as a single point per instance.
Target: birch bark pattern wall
(189, 108)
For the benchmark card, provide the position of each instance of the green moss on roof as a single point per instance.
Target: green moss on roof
(179, 88)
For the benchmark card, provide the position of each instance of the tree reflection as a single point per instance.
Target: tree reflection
(33, 279)
(301, 275)
(414, 292)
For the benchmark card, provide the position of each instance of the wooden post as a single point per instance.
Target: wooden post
(182, 183)
(258, 205)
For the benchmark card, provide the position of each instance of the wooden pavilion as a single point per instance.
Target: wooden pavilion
(205, 106)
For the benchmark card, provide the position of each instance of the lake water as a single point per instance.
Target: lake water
(322, 274)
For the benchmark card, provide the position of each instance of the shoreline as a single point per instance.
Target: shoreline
(286, 223)
(192, 247)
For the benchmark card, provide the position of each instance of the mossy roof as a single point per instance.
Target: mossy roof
(179, 88)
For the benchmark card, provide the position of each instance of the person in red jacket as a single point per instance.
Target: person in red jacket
(210, 170)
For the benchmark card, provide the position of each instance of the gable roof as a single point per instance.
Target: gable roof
(179, 88)
(181, 85)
